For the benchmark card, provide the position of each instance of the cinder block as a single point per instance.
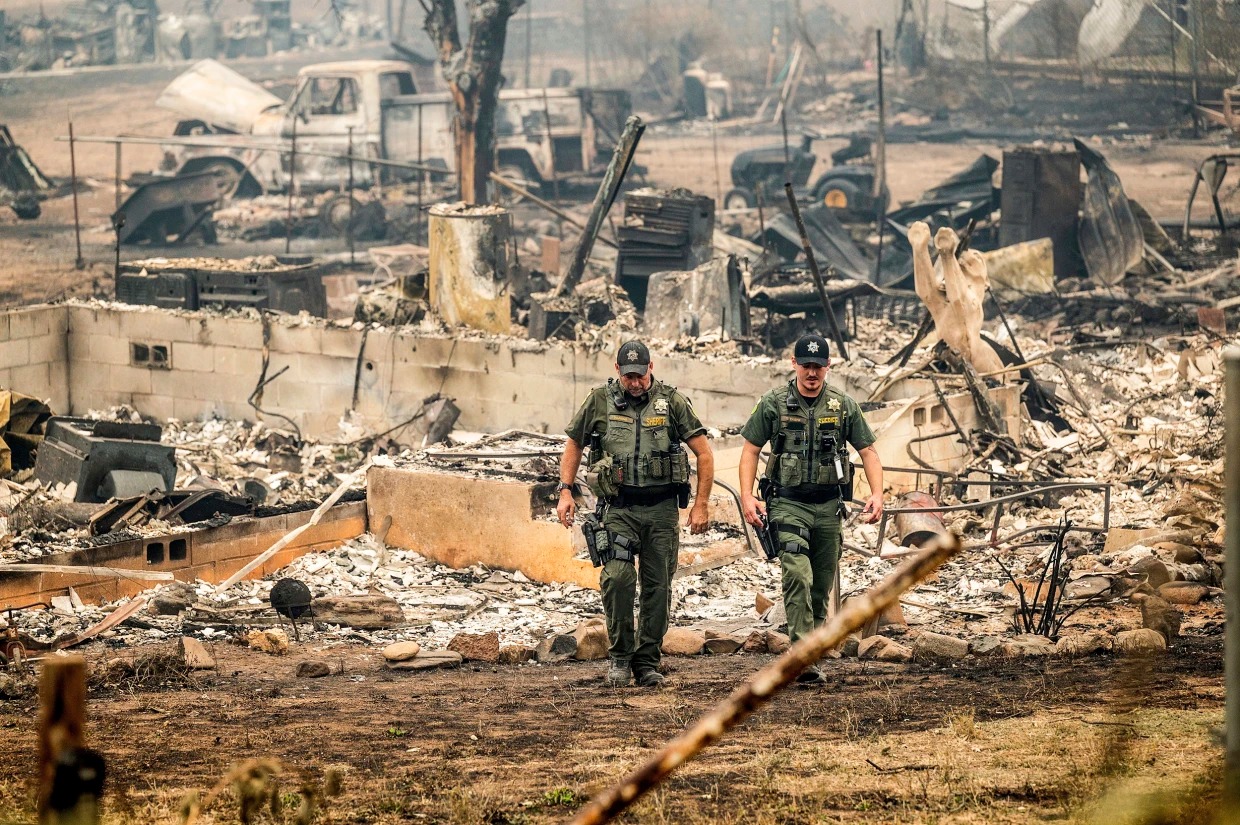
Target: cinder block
(15, 352)
(302, 339)
(34, 380)
(104, 349)
(4, 326)
(195, 357)
(240, 362)
(157, 325)
(335, 400)
(47, 348)
(130, 380)
(323, 369)
(434, 352)
(243, 333)
(89, 378)
(159, 407)
(190, 409)
(341, 343)
(416, 379)
(29, 323)
(58, 321)
(58, 377)
(292, 396)
(6, 378)
(94, 320)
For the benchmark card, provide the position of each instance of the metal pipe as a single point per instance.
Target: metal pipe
(79, 263)
(744, 524)
(1231, 584)
(813, 270)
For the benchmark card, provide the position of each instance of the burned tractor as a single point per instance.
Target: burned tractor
(847, 188)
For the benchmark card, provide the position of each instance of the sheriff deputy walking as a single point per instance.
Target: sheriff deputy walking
(808, 481)
(634, 426)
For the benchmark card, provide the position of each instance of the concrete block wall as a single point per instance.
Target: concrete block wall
(34, 354)
(214, 363)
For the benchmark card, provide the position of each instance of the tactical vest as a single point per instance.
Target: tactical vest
(638, 449)
(809, 451)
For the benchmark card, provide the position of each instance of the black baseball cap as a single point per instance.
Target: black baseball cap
(633, 358)
(812, 349)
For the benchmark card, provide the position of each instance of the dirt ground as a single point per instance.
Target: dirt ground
(980, 741)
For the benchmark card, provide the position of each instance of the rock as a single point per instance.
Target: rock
(476, 647)
(273, 640)
(1027, 644)
(985, 645)
(1158, 615)
(592, 641)
(429, 660)
(761, 603)
(1084, 644)
(401, 651)
(175, 599)
(369, 612)
(682, 641)
(556, 648)
(777, 617)
(195, 654)
(1182, 553)
(850, 645)
(1154, 570)
(1086, 587)
(1143, 642)
(755, 643)
(882, 649)
(515, 654)
(722, 644)
(313, 669)
(937, 647)
(777, 642)
(1183, 592)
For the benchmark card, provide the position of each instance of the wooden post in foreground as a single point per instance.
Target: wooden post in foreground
(767, 682)
(70, 775)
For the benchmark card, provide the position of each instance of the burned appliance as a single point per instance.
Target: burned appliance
(667, 231)
(105, 459)
(285, 285)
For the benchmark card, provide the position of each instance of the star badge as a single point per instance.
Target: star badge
(833, 405)
(813, 346)
(632, 355)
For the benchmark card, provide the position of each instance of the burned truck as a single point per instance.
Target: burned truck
(247, 135)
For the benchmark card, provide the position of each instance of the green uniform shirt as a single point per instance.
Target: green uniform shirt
(592, 417)
(763, 423)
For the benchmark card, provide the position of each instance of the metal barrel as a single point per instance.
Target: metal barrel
(918, 528)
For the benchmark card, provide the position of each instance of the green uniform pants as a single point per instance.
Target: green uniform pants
(807, 576)
(656, 531)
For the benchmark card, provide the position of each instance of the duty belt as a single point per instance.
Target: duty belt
(821, 496)
(637, 497)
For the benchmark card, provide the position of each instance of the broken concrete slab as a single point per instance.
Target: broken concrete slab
(195, 654)
(429, 660)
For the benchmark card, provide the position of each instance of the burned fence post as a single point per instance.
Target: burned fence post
(292, 180)
(1231, 584)
(349, 228)
(70, 775)
(607, 191)
(79, 262)
(813, 269)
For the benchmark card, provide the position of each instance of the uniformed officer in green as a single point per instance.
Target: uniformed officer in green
(808, 480)
(634, 426)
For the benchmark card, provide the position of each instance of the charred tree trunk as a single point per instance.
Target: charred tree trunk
(472, 72)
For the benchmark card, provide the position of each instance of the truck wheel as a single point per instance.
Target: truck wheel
(227, 176)
(516, 174)
(739, 198)
(841, 197)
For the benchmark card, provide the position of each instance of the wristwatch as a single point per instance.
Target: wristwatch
(561, 487)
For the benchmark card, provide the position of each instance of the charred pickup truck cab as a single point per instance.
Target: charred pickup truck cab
(245, 134)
